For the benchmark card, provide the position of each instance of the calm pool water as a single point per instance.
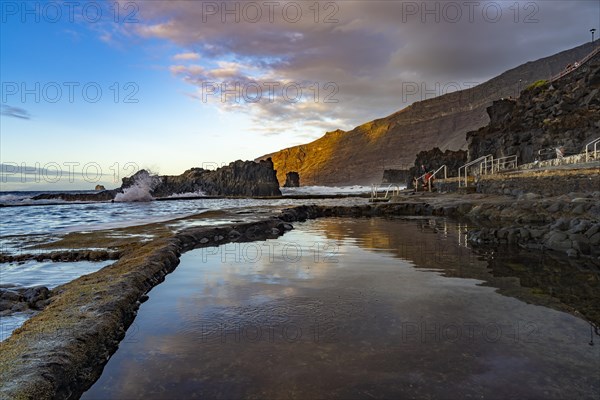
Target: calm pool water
(351, 308)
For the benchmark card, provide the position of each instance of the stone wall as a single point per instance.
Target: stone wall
(543, 183)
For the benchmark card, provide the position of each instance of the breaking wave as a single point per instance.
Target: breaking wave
(140, 190)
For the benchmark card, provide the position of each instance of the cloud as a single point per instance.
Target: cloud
(186, 56)
(15, 112)
(366, 50)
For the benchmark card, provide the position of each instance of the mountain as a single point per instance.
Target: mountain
(359, 156)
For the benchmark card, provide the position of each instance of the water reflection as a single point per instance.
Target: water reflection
(348, 308)
(537, 277)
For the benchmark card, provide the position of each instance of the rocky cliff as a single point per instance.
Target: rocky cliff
(561, 114)
(360, 155)
(240, 178)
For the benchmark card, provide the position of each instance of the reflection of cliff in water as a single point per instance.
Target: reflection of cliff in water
(551, 280)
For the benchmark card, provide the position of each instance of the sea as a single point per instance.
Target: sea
(24, 221)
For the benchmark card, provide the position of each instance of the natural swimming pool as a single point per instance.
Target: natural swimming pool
(354, 308)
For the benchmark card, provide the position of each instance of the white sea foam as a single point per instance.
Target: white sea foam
(5, 198)
(198, 193)
(140, 190)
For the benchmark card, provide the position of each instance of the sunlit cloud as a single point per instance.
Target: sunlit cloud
(186, 56)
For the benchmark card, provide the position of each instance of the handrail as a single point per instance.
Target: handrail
(439, 169)
(580, 63)
(433, 174)
(483, 160)
(395, 192)
(375, 191)
(508, 160)
(595, 143)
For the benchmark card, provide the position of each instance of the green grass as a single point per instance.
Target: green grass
(537, 84)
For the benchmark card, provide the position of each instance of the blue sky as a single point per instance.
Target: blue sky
(358, 57)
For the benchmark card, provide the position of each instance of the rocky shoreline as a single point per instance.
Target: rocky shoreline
(62, 350)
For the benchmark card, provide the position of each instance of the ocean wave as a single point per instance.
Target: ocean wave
(140, 190)
(14, 198)
(198, 193)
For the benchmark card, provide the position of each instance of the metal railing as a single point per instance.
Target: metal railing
(594, 142)
(504, 163)
(485, 164)
(433, 174)
(439, 169)
(574, 68)
(394, 188)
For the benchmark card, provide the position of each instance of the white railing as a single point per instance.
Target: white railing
(595, 144)
(578, 64)
(504, 163)
(394, 188)
(433, 174)
(485, 163)
(439, 169)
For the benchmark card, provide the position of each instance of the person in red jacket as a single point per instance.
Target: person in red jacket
(426, 179)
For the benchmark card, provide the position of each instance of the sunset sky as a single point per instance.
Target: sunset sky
(95, 86)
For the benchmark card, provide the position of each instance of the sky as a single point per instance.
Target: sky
(92, 91)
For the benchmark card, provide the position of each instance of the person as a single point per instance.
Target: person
(426, 179)
(415, 183)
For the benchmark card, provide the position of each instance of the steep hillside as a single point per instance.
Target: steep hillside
(359, 156)
(563, 114)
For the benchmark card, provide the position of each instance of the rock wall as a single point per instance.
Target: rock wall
(433, 159)
(546, 184)
(561, 114)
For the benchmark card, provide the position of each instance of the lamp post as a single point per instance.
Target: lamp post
(519, 88)
(593, 30)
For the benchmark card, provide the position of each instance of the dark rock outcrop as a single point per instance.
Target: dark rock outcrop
(106, 195)
(358, 156)
(239, 178)
(396, 176)
(23, 299)
(292, 179)
(433, 159)
(548, 115)
(99, 187)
